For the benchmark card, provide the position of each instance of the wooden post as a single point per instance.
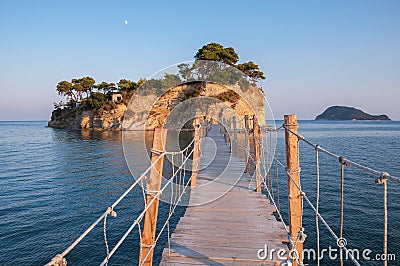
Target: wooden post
(153, 185)
(235, 138)
(196, 151)
(228, 131)
(294, 197)
(246, 122)
(257, 139)
(246, 128)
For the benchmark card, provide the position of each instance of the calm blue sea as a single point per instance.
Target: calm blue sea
(55, 183)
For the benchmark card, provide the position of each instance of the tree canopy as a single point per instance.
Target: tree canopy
(251, 70)
(105, 86)
(217, 52)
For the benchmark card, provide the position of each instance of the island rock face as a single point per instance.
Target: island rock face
(348, 113)
(79, 118)
(135, 115)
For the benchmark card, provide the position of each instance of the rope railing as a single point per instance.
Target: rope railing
(267, 184)
(60, 258)
(348, 162)
(171, 211)
(268, 157)
(314, 208)
(382, 177)
(141, 215)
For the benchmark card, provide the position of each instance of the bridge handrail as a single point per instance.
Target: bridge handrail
(60, 258)
(379, 174)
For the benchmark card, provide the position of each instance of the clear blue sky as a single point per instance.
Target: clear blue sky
(314, 53)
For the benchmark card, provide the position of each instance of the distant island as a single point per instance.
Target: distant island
(348, 113)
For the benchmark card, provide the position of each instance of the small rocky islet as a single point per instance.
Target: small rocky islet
(348, 113)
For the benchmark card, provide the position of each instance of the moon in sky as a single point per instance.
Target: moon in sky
(126, 22)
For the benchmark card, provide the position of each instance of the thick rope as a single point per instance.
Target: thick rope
(111, 212)
(385, 226)
(317, 206)
(105, 239)
(140, 238)
(342, 165)
(277, 176)
(382, 180)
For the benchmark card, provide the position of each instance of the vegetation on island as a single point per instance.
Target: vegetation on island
(85, 93)
(90, 95)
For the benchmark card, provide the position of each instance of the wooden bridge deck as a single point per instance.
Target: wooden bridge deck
(227, 222)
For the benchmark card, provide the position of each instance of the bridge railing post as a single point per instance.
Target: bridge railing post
(294, 195)
(196, 151)
(235, 137)
(246, 129)
(257, 139)
(153, 186)
(228, 134)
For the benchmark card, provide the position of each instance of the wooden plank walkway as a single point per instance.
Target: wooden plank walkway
(226, 222)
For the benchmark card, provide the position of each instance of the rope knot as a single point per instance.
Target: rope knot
(343, 161)
(110, 211)
(158, 152)
(382, 179)
(297, 170)
(302, 236)
(294, 254)
(153, 193)
(58, 260)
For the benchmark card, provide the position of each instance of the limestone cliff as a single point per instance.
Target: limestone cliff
(228, 100)
(147, 111)
(79, 118)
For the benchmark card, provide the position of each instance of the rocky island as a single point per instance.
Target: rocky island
(105, 106)
(348, 113)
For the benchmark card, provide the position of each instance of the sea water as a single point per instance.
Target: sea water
(54, 183)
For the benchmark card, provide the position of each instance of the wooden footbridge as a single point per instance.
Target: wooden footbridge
(229, 220)
(230, 229)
